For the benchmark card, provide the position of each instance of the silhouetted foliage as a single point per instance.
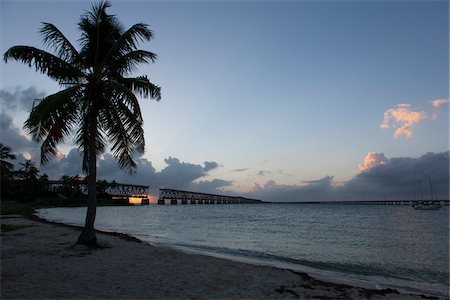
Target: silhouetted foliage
(6, 171)
(98, 101)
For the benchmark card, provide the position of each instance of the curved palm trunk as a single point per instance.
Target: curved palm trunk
(87, 236)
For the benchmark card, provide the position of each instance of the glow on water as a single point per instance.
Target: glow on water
(383, 245)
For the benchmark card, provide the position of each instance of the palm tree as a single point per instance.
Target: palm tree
(5, 154)
(98, 100)
(28, 171)
(6, 171)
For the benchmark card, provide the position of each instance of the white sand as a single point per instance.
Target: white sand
(38, 261)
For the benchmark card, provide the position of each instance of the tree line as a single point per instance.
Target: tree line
(26, 184)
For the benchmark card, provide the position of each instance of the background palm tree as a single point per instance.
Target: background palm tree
(5, 155)
(6, 171)
(98, 101)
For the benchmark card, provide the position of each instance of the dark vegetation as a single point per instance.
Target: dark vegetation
(25, 189)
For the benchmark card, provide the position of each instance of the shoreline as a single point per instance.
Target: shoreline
(126, 263)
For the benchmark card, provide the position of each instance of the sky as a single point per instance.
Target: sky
(280, 100)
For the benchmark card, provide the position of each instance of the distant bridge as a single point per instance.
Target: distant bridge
(186, 197)
(378, 202)
(114, 189)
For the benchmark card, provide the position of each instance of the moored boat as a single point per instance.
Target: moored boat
(427, 205)
(433, 204)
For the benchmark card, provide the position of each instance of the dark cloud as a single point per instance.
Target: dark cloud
(399, 178)
(176, 175)
(240, 170)
(263, 172)
(11, 136)
(404, 177)
(210, 165)
(19, 99)
(69, 164)
(180, 175)
(212, 187)
(315, 190)
(14, 102)
(324, 181)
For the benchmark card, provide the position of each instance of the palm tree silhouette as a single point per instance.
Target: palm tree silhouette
(98, 101)
(5, 154)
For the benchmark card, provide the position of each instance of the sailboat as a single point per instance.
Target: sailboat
(433, 204)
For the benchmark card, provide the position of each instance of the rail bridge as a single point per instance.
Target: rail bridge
(116, 190)
(186, 197)
(379, 202)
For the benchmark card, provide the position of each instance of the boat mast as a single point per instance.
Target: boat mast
(432, 191)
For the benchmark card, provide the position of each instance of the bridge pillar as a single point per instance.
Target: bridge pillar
(183, 201)
(174, 201)
(145, 201)
(200, 202)
(193, 202)
(161, 202)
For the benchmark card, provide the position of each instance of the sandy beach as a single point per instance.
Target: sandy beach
(39, 261)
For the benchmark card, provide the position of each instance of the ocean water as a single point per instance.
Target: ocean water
(370, 246)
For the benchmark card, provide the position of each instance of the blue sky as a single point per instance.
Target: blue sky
(283, 91)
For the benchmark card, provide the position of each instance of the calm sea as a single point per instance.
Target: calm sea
(371, 246)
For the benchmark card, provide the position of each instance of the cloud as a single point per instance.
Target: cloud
(314, 190)
(19, 98)
(210, 165)
(176, 175)
(403, 119)
(263, 172)
(437, 103)
(324, 181)
(69, 164)
(212, 187)
(240, 170)
(381, 177)
(12, 137)
(400, 177)
(373, 159)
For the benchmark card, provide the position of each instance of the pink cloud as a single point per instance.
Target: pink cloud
(437, 103)
(402, 118)
(373, 159)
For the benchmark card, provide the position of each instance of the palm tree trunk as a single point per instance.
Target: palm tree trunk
(87, 236)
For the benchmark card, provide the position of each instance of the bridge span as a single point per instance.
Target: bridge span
(186, 197)
(379, 202)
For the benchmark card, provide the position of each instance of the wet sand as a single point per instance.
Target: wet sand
(40, 261)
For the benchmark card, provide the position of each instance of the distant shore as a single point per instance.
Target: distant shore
(38, 260)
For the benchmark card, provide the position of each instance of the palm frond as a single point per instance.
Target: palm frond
(125, 133)
(119, 93)
(53, 119)
(143, 87)
(99, 32)
(54, 38)
(46, 63)
(129, 40)
(127, 63)
(5, 152)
